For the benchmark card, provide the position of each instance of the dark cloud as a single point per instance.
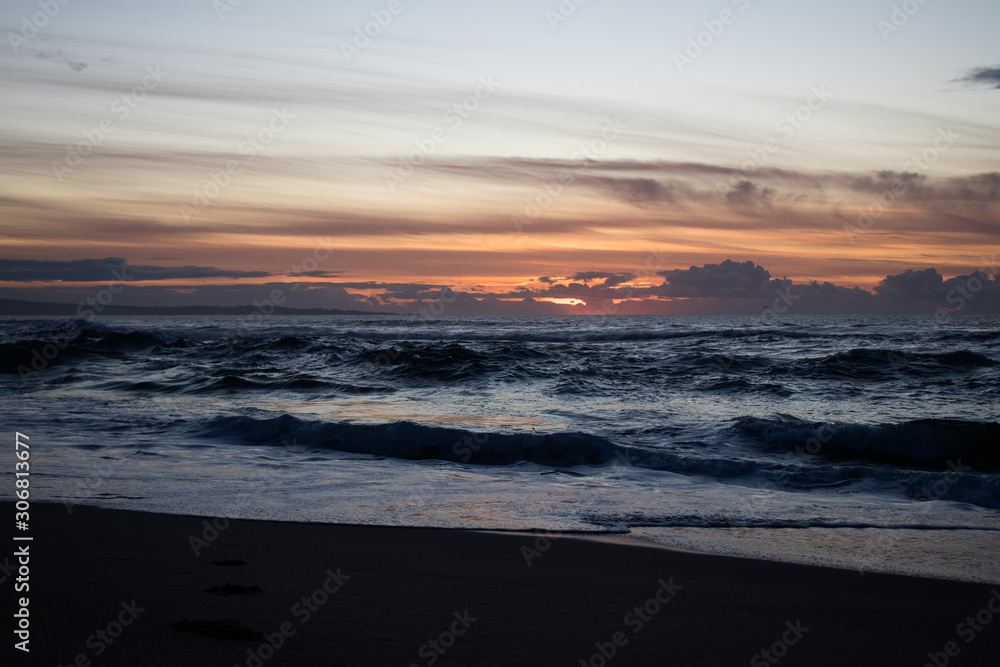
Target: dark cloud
(886, 180)
(826, 297)
(411, 288)
(610, 279)
(644, 183)
(979, 191)
(81, 270)
(107, 269)
(183, 272)
(975, 292)
(927, 284)
(974, 188)
(983, 75)
(727, 279)
(406, 292)
(747, 193)
(317, 274)
(291, 295)
(637, 191)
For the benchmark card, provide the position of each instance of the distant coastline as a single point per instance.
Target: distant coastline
(20, 307)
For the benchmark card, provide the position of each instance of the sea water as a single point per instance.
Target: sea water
(868, 442)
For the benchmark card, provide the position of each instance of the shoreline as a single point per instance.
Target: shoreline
(883, 554)
(200, 592)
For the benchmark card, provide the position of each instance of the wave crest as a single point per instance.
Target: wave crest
(924, 441)
(407, 440)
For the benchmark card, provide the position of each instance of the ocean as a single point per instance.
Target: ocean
(864, 442)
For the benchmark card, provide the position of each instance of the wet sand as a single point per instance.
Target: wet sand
(124, 588)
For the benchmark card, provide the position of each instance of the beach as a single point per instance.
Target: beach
(110, 587)
(569, 334)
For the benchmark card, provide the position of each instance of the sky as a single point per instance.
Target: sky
(532, 156)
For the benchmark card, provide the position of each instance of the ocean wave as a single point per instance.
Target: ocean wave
(743, 386)
(452, 361)
(623, 521)
(956, 485)
(927, 442)
(411, 441)
(43, 348)
(953, 457)
(407, 440)
(127, 341)
(873, 363)
(956, 482)
(564, 334)
(228, 384)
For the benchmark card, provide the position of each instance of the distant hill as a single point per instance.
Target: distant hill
(20, 307)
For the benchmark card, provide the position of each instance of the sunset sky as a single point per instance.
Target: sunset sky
(566, 153)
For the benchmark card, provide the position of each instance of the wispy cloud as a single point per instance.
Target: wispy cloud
(62, 58)
(106, 269)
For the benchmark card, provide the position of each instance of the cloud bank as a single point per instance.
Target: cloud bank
(727, 287)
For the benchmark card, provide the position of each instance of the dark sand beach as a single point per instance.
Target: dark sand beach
(123, 588)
